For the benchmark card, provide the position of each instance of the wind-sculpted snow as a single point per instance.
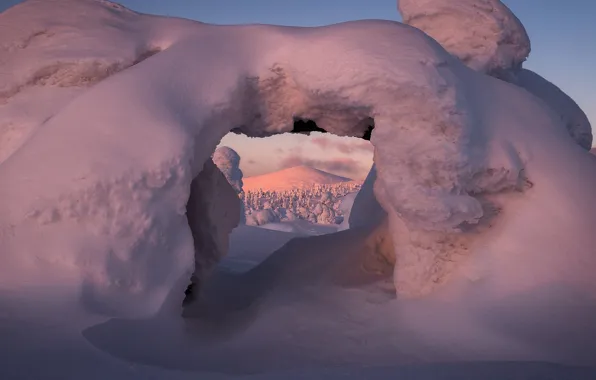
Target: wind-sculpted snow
(575, 119)
(38, 52)
(484, 34)
(95, 197)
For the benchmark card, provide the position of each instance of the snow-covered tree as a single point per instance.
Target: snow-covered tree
(319, 203)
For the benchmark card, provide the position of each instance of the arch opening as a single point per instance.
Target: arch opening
(315, 207)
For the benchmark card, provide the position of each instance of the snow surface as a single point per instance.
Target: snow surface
(490, 214)
(302, 227)
(484, 34)
(574, 118)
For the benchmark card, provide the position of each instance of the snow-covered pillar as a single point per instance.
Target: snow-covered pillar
(213, 212)
(228, 162)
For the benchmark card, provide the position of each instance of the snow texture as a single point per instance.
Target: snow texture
(484, 34)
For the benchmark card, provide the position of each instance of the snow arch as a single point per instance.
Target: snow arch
(97, 194)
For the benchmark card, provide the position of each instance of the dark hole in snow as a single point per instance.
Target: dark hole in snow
(188, 294)
(305, 127)
(368, 132)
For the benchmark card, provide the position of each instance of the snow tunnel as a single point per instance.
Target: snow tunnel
(126, 157)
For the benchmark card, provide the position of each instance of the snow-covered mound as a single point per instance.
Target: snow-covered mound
(484, 34)
(296, 177)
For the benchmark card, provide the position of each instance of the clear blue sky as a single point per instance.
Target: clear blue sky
(563, 35)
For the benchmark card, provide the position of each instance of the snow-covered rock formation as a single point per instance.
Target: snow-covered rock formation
(94, 185)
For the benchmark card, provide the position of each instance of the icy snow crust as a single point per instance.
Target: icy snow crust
(94, 188)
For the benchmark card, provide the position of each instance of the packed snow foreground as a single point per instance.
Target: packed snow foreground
(478, 213)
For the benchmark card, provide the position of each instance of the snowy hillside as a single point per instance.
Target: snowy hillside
(296, 177)
(472, 240)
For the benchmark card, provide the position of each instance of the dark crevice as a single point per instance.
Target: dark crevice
(146, 54)
(368, 133)
(371, 125)
(305, 127)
